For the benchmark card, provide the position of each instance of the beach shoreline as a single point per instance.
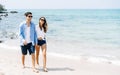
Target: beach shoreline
(10, 64)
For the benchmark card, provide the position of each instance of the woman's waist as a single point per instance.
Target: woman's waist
(41, 38)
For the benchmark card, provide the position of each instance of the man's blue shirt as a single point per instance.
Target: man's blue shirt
(22, 33)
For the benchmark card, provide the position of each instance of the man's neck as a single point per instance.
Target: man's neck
(28, 23)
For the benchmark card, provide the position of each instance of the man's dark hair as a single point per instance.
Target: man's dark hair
(27, 13)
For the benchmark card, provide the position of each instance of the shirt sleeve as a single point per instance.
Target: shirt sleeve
(21, 33)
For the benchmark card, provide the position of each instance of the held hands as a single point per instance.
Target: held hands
(25, 42)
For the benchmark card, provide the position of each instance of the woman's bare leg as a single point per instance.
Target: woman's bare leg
(33, 60)
(44, 48)
(37, 53)
(33, 63)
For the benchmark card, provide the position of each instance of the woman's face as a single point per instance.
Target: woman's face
(41, 21)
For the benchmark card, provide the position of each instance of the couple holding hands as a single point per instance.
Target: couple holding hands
(32, 37)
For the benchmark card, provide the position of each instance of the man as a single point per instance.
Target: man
(28, 39)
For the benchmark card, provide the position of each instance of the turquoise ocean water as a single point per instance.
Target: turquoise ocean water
(91, 32)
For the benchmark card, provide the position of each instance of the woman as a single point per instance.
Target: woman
(41, 30)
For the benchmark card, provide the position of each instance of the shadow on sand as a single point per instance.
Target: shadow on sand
(59, 69)
(55, 69)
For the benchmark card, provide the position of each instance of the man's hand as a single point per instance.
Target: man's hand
(25, 42)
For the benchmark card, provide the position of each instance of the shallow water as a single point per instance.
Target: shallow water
(74, 32)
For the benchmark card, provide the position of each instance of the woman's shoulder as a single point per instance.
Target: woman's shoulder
(37, 25)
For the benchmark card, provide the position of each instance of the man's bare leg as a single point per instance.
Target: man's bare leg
(23, 61)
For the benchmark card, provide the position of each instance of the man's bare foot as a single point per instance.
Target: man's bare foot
(34, 70)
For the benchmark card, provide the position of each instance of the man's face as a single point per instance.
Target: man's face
(29, 17)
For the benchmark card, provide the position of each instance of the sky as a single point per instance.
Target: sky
(61, 4)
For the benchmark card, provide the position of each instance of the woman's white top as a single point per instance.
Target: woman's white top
(40, 33)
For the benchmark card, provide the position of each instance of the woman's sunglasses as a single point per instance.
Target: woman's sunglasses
(42, 19)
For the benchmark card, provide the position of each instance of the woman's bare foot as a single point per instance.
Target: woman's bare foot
(34, 70)
(45, 70)
(23, 66)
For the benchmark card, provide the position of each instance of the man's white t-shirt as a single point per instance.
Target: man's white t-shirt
(27, 38)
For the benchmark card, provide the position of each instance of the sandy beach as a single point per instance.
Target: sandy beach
(10, 64)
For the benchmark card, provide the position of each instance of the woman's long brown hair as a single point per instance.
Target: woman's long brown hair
(44, 26)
